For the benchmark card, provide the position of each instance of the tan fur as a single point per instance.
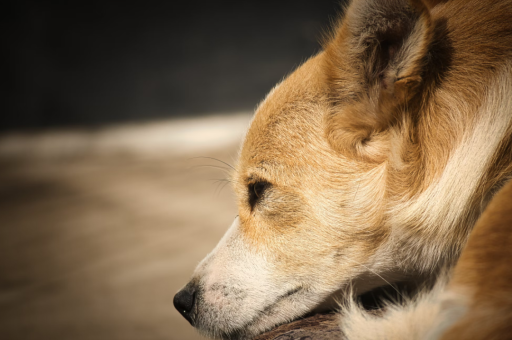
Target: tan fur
(484, 274)
(376, 156)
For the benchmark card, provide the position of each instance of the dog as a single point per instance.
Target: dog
(369, 166)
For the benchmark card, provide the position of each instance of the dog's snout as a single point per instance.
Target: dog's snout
(184, 302)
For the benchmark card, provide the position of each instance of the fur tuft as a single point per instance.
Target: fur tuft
(425, 316)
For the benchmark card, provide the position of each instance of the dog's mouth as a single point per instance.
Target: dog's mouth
(271, 309)
(244, 331)
(267, 311)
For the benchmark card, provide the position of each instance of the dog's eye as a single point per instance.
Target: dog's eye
(259, 188)
(256, 191)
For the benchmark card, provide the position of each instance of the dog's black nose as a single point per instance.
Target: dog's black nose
(184, 302)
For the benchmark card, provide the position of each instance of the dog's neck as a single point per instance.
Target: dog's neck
(447, 209)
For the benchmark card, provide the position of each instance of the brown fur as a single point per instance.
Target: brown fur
(484, 275)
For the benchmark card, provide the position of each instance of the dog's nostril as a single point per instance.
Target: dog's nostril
(184, 301)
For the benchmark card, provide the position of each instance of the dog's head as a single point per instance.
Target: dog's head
(332, 159)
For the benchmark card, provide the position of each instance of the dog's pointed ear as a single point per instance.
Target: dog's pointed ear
(374, 65)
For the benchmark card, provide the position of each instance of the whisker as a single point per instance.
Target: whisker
(220, 187)
(220, 179)
(223, 186)
(227, 170)
(215, 159)
(219, 183)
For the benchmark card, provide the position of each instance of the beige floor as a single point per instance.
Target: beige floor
(94, 245)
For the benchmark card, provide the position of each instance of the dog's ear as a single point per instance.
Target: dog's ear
(374, 67)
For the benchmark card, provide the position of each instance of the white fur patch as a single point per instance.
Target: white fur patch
(240, 295)
(443, 207)
(425, 317)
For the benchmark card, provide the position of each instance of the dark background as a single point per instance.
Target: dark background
(87, 63)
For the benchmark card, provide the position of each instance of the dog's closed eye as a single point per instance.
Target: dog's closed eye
(257, 191)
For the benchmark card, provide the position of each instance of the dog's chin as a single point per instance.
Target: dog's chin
(212, 322)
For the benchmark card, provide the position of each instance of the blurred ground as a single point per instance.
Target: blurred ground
(99, 229)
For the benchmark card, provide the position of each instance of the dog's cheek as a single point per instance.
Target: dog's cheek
(275, 219)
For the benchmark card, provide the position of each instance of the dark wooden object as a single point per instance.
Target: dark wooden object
(316, 327)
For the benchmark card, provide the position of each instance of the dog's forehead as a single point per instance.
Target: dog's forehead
(288, 125)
